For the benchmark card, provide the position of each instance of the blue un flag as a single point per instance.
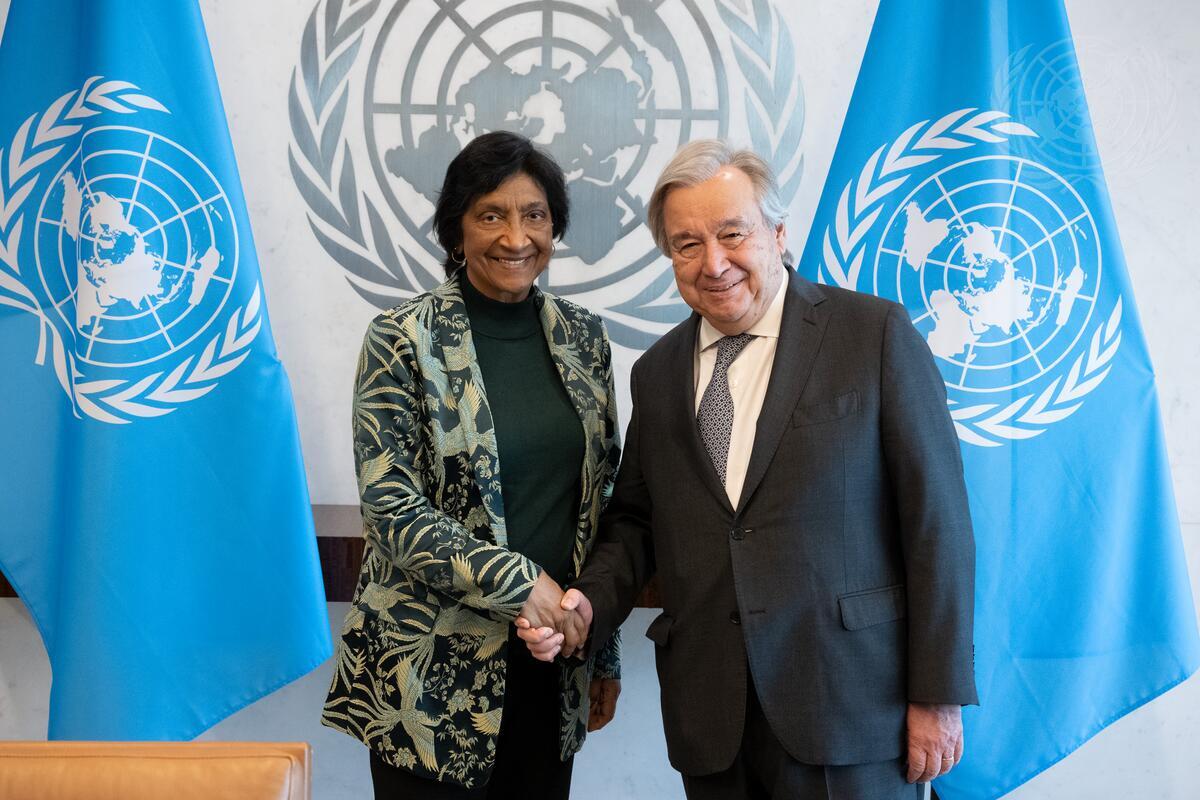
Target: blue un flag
(156, 520)
(966, 185)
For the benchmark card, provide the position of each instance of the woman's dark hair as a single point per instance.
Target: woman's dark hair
(485, 163)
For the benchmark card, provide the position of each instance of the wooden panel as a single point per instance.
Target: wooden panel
(341, 547)
(341, 558)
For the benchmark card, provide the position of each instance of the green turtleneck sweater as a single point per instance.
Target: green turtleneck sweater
(539, 437)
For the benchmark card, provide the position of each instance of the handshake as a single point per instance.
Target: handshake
(553, 621)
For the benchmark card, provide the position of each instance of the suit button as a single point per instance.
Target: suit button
(735, 618)
(737, 534)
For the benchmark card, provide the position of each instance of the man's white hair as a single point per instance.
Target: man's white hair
(700, 160)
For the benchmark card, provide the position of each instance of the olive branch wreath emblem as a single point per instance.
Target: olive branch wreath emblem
(764, 52)
(346, 220)
(40, 138)
(843, 249)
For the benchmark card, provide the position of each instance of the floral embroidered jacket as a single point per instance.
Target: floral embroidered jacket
(420, 666)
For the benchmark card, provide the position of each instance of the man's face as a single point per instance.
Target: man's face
(728, 261)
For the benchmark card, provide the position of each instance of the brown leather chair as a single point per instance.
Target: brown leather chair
(155, 770)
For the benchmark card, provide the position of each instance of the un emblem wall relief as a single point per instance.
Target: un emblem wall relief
(122, 243)
(964, 218)
(386, 93)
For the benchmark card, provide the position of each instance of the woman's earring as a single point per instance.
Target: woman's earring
(461, 260)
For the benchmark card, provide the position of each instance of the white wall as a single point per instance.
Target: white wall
(1142, 72)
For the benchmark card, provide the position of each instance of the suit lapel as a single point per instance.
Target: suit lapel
(587, 391)
(800, 334)
(564, 352)
(475, 433)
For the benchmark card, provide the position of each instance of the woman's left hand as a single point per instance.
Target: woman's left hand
(604, 693)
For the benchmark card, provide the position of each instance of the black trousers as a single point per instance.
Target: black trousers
(527, 762)
(764, 771)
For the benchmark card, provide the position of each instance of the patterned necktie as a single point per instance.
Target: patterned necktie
(715, 414)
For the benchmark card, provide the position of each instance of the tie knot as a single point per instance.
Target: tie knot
(729, 347)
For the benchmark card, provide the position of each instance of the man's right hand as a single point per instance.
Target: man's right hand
(546, 641)
(575, 601)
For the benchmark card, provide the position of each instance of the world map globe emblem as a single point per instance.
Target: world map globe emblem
(611, 102)
(997, 260)
(1045, 88)
(136, 248)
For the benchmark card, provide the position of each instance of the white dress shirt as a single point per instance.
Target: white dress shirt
(748, 377)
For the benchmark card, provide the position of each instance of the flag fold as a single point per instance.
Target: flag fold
(966, 185)
(156, 519)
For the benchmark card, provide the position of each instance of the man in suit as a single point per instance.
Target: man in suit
(792, 476)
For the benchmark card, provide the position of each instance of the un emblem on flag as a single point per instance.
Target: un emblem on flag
(998, 260)
(386, 95)
(133, 246)
(130, 240)
(1003, 273)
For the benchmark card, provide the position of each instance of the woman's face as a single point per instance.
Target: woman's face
(508, 238)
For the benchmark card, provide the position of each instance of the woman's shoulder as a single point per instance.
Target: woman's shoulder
(577, 316)
(414, 313)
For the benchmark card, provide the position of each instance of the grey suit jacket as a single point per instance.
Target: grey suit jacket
(843, 581)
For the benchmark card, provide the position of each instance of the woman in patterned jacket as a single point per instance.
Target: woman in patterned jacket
(485, 442)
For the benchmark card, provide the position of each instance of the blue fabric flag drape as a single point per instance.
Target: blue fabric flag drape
(155, 516)
(967, 186)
